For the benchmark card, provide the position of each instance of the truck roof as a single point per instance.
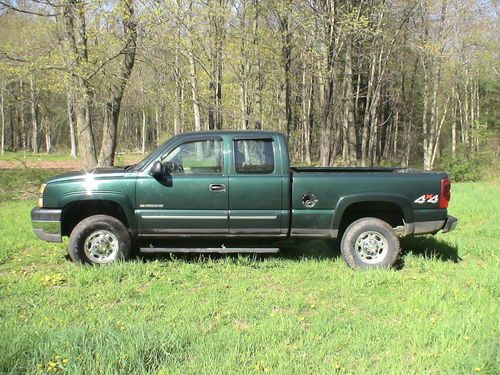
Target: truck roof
(231, 132)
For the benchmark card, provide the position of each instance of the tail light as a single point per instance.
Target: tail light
(445, 196)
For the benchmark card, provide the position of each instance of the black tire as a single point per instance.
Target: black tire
(370, 243)
(99, 229)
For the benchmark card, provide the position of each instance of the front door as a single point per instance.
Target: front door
(256, 188)
(192, 198)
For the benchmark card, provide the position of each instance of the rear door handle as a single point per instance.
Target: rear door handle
(217, 187)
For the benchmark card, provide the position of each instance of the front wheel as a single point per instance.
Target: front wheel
(99, 239)
(370, 243)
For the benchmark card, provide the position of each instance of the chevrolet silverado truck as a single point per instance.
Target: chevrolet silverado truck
(225, 186)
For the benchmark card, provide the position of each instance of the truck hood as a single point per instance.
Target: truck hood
(79, 175)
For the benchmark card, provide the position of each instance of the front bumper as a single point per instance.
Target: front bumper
(46, 223)
(450, 224)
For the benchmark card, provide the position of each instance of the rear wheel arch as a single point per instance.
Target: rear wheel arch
(393, 209)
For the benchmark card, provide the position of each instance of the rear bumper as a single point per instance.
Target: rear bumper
(450, 224)
(46, 223)
(424, 227)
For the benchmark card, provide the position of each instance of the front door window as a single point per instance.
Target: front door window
(198, 157)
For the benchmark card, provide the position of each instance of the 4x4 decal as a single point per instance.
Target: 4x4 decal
(427, 198)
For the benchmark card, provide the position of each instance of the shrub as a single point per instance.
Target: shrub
(461, 169)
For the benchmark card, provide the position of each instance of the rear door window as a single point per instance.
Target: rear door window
(254, 156)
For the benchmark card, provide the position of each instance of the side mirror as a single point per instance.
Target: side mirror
(157, 169)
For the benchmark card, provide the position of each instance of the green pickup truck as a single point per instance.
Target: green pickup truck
(234, 187)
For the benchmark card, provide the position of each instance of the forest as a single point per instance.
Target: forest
(353, 82)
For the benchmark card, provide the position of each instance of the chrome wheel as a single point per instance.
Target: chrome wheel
(101, 246)
(371, 247)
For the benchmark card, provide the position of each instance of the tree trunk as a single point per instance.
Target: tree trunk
(366, 117)
(195, 92)
(349, 124)
(326, 125)
(327, 85)
(286, 55)
(178, 103)
(395, 125)
(217, 20)
(23, 136)
(438, 133)
(74, 18)
(2, 114)
(48, 135)
(157, 127)
(71, 122)
(35, 118)
(259, 82)
(84, 125)
(307, 92)
(12, 128)
(244, 69)
(109, 138)
(144, 137)
(425, 125)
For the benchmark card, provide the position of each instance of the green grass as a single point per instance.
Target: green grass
(24, 183)
(303, 312)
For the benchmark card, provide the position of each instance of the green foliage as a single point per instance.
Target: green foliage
(462, 169)
(474, 167)
(300, 312)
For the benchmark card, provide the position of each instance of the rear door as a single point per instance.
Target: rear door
(192, 199)
(256, 187)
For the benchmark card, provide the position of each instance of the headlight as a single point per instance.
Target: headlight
(40, 195)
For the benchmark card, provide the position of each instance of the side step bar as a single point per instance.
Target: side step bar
(217, 250)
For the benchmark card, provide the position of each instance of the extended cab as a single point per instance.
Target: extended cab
(231, 185)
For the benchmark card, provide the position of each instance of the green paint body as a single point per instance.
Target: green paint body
(260, 205)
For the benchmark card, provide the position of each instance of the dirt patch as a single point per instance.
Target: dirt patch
(40, 164)
(53, 164)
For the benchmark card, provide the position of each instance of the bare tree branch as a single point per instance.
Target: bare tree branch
(25, 11)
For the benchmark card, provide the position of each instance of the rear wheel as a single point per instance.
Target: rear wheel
(99, 239)
(370, 243)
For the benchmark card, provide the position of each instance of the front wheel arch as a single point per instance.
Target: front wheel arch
(74, 212)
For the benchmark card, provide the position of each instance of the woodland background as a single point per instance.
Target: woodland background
(354, 82)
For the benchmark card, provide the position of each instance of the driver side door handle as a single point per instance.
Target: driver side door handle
(218, 188)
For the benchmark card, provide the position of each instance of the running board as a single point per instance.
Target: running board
(217, 250)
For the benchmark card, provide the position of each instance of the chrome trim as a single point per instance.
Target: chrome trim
(304, 232)
(46, 224)
(217, 188)
(220, 250)
(47, 236)
(45, 221)
(422, 227)
(219, 235)
(173, 217)
(254, 217)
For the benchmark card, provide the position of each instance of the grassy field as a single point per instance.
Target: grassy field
(302, 312)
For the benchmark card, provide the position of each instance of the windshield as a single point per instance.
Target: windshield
(148, 158)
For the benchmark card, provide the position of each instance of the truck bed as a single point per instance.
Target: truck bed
(346, 169)
(332, 190)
